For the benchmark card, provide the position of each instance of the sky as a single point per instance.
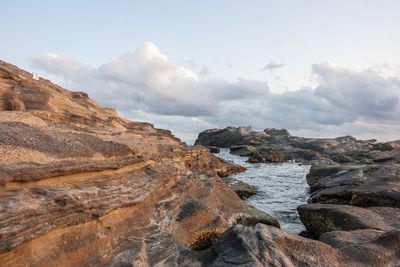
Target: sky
(319, 68)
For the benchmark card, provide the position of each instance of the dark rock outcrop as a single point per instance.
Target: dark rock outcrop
(359, 185)
(262, 245)
(346, 149)
(231, 136)
(214, 149)
(255, 157)
(321, 218)
(242, 189)
(355, 191)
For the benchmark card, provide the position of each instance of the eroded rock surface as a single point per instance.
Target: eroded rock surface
(263, 245)
(242, 189)
(80, 186)
(354, 184)
(272, 142)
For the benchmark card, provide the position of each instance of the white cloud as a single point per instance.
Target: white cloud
(144, 85)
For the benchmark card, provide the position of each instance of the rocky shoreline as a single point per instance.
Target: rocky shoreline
(354, 205)
(81, 186)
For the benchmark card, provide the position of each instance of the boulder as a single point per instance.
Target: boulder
(366, 247)
(242, 150)
(342, 239)
(276, 132)
(263, 245)
(382, 251)
(251, 217)
(225, 168)
(214, 149)
(271, 155)
(242, 189)
(231, 136)
(255, 157)
(321, 218)
(360, 185)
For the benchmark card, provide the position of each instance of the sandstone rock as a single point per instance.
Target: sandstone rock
(225, 168)
(242, 189)
(251, 217)
(263, 245)
(342, 239)
(321, 218)
(382, 251)
(360, 185)
(80, 186)
(366, 247)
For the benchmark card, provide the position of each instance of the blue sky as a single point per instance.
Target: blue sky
(314, 52)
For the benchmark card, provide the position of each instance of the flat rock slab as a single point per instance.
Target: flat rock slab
(366, 247)
(342, 239)
(363, 185)
(321, 218)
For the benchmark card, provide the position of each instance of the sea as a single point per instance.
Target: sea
(281, 188)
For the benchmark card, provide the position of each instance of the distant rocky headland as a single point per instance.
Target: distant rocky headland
(81, 186)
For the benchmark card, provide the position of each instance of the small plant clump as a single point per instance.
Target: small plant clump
(205, 238)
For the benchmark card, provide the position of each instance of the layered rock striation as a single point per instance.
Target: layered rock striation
(81, 186)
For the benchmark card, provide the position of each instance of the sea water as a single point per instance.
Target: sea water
(281, 188)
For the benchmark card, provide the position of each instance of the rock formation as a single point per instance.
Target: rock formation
(278, 145)
(80, 186)
(355, 195)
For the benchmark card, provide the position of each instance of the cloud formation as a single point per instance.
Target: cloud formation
(144, 85)
(272, 66)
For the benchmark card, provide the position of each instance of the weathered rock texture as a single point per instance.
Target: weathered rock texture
(80, 186)
(354, 184)
(275, 145)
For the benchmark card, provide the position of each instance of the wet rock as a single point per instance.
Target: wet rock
(251, 217)
(225, 168)
(242, 189)
(255, 157)
(271, 155)
(214, 149)
(242, 150)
